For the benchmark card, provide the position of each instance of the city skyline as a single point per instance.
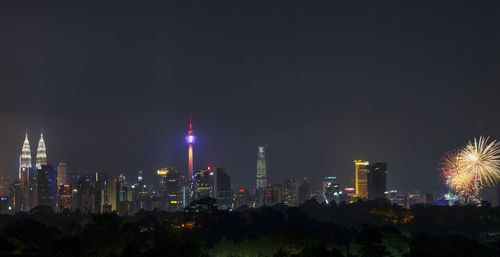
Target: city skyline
(322, 85)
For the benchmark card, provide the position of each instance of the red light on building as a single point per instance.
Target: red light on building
(241, 190)
(209, 168)
(66, 185)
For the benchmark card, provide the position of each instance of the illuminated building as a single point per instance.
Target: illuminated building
(64, 198)
(241, 198)
(202, 183)
(170, 186)
(138, 190)
(62, 174)
(99, 187)
(274, 195)
(222, 187)
(326, 182)
(25, 201)
(361, 169)
(261, 169)
(124, 194)
(139, 177)
(110, 196)
(74, 177)
(161, 191)
(15, 196)
(4, 204)
(46, 186)
(350, 192)
(377, 180)
(291, 192)
(4, 185)
(190, 140)
(25, 157)
(269, 196)
(331, 190)
(41, 153)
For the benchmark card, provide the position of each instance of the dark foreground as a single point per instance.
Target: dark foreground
(373, 228)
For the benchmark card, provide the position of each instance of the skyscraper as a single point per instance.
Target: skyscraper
(62, 174)
(377, 180)
(41, 153)
(190, 139)
(202, 183)
(361, 181)
(46, 186)
(222, 188)
(25, 158)
(172, 188)
(86, 194)
(110, 195)
(291, 192)
(64, 198)
(261, 169)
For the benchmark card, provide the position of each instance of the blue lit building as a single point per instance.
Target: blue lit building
(46, 177)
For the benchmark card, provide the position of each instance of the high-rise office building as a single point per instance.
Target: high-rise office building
(273, 195)
(74, 177)
(261, 181)
(62, 174)
(202, 183)
(64, 198)
(101, 179)
(190, 140)
(329, 188)
(41, 153)
(46, 177)
(361, 169)
(291, 192)
(15, 197)
(25, 202)
(377, 180)
(25, 157)
(241, 197)
(307, 189)
(170, 189)
(110, 195)
(222, 187)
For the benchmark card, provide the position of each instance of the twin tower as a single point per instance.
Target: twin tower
(25, 158)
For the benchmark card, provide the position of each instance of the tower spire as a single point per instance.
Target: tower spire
(190, 131)
(41, 152)
(25, 158)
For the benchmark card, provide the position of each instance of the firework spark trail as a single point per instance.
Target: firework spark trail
(467, 170)
(481, 161)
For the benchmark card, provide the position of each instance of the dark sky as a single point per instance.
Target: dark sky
(321, 83)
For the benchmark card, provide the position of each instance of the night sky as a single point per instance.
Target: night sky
(320, 83)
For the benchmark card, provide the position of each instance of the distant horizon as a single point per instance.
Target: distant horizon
(151, 177)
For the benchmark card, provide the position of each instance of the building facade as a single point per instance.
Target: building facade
(261, 181)
(361, 169)
(46, 178)
(377, 180)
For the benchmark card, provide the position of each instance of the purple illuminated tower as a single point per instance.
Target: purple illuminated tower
(190, 139)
